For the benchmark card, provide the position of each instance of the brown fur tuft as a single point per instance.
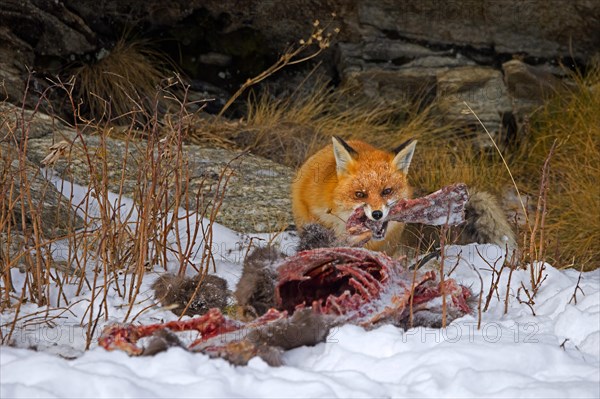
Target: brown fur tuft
(161, 341)
(172, 290)
(269, 342)
(315, 235)
(303, 328)
(255, 292)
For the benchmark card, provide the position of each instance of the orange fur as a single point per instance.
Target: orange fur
(325, 188)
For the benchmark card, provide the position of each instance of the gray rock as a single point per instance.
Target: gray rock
(396, 51)
(530, 85)
(538, 28)
(26, 188)
(380, 84)
(482, 88)
(393, 70)
(256, 198)
(19, 123)
(11, 247)
(436, 64)
(51, 28)
(15, 54)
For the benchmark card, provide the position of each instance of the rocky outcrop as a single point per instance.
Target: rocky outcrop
(393, 70)
(256, 197)
(537, 28)
(480, 88)
(27, 192)
(544, 29)
(15, 56)
(48, 27)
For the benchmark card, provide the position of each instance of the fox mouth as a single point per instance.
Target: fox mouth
(378, 228)
(359, 223)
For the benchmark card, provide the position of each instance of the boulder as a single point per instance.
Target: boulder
(48, 27)
(482, 88)
(256, 197)
(529, 85)
(536, 27)
(15, 56)
(391, 50)
(394, 70)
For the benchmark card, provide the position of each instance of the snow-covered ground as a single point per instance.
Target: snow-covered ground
(555, 353)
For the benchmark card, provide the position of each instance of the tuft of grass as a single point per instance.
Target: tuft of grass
(447, 154)
(572, 121)
(120, 82)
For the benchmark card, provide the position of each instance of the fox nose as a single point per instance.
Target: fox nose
(377, 215)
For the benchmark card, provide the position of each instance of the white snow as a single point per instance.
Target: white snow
(554, 353)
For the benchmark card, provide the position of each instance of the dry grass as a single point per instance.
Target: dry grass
(291, 129)
(121, 82)
(447, 159)
(573, 219)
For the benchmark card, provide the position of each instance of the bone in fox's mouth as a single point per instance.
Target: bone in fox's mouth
(443, 207)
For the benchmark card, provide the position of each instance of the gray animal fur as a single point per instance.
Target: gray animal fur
(161, 341)
(486, 223)
(255, 292)
(303, 328)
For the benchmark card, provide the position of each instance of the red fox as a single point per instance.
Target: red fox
(346, 175)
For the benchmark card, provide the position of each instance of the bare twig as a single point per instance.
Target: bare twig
(320, 37)
(577, 287)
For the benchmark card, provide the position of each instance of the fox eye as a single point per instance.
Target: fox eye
(360, 194)
(386, 191)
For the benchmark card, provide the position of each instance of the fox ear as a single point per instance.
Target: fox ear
(343, 153)
(404, 154)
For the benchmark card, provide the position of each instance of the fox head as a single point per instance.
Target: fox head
(371, 178)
